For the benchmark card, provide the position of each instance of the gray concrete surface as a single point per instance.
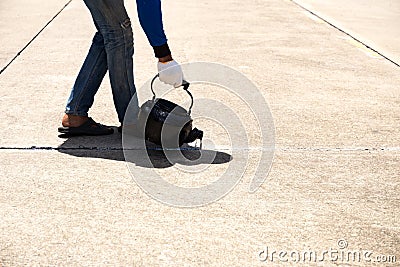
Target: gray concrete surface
(375, 23)
(23, 19)
(335, 175)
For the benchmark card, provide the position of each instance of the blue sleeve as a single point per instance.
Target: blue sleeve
(150, 17)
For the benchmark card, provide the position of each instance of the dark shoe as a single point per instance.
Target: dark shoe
(90, 127)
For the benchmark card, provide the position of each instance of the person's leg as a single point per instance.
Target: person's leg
(114, 24)
(89, 79)
(86, 84)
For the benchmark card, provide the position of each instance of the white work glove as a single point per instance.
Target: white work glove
(170, 73)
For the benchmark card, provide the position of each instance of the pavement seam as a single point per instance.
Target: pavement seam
(345, 32)
(282, 149)
(34, 37)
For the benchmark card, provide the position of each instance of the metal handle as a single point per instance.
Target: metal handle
(185, 85)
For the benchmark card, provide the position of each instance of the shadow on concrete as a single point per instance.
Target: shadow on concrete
(110, 147)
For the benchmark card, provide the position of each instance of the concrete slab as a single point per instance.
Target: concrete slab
(20, 21)
(62, 209)
(373, 22)
(323, 92)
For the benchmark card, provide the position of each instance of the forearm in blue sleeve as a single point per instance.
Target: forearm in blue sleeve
(150, 17)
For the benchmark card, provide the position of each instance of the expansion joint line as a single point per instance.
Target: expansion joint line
(281, 149)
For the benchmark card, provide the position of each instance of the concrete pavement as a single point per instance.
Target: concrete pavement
(23, 19)
(335, 175)
(375, 23)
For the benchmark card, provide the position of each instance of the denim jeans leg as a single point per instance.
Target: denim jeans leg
(120, 61)
(89, 79)
(112, 20)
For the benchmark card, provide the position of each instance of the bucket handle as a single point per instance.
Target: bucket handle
(185, 86)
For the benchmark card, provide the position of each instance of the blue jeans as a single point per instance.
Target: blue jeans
(112, 50)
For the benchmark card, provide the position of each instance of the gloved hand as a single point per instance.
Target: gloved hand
(170, 73)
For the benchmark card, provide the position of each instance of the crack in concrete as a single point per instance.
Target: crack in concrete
(34, 37)
(343, 31)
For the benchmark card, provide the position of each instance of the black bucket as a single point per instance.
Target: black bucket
(167, 124)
